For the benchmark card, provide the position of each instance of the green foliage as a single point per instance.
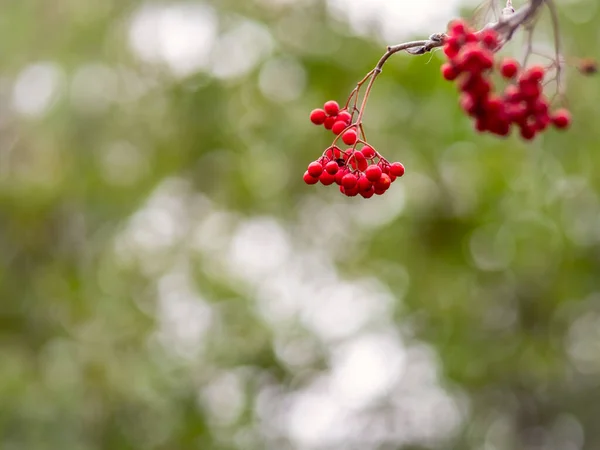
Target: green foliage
(168, 282)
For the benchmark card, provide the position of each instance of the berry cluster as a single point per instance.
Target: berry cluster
(356, 171)
(471, 62)
(336, 120)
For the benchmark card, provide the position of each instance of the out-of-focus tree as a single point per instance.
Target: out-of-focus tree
(167, 281)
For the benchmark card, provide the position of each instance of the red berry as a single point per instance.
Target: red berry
(340, 175)
(561, 119)
(315, 169)
(368, 151)
(359, 161)
(364, 184)
(509, 68)
(383, 183)
(457, 28)
(489, 38)
(332, 167)
(328, 124)
(535, 74)
(345, 116)
(373, 173)
(396, 169)
(349, 181)
(368, 194)
(512, 93)
(351, 192)
(338, 127)
(318, 116)
(452, 47)
(527, 132)
(309, 179)
(349, 137)
(327, 178)
(331, 108)
(449, 72)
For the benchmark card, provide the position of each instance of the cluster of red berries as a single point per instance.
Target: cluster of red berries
(356, 171)
(335, 119)
(471, 62)
(363, 171)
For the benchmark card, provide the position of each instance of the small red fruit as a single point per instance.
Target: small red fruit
(309, 179)
(338, 127)
(349, 137)
(535, 73)
(368, 194)
(332, 167)
(340, 175)
(509, 68)
(329, 121)
(345, 116)
(561, 119)
(368, 151)
(457, 28)
(383, 183)
(396, 169)
(333, 153)
(318, 116)
(315, 169)
(449, 72)
(489, 38)
(349, 181)
(527, 132)
(331, 108)
(327, 178)
(373, 172)
(364, 184)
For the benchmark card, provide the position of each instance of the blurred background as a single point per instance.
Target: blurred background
(167, 281)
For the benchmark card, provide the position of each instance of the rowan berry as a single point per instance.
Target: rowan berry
(309, 179)
(509, 68)
(349, 137)
(396, 169)
(373, 173)
(318, 116)
(561, 119)
(331, 108)
(338, 127)
(315, 169)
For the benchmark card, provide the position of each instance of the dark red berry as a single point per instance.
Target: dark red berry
(561, 119)
(509, 68)
(332, 167)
